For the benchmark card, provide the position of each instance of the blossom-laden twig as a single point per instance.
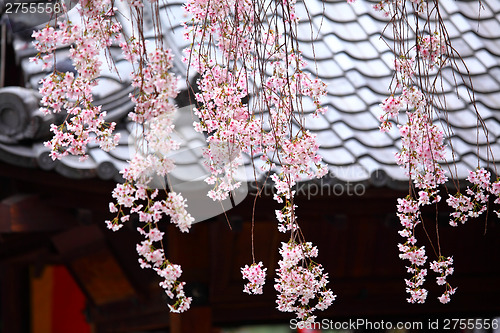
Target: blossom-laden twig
(154, 88)
(298, 285)
(444, 267)
(242, 49)
(73, 94)
(475, 201)
(256, 276)
(422, 141)
(409, 216)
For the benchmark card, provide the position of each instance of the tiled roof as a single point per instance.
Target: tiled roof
(357, 66)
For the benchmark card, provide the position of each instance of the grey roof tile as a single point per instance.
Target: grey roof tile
(313, 7)
(486, 112)
(184, 156)
(495, 74)
(483, 83)
(459, 146)
(472, 65)
(344, 61)
(462, 47)
(317, 123)
(472, 136)
(471, 161)
(362, 50)
(333, 115)
(356, 148)
(369, 97)
(339, 11)
(351, 103)
(493, 5)
(450, 102)
(459, 170)
(301, 11)
(378, 43)
(474, 10)
(361, 121)
(370, 26)
(122, 152)
(328, 139)
(384, 155)
(356, 79)
(334, 43)
(189, 172)
(343, 131)
(329, 69)
(373, 68)
(340, 87)
(490, 100)
(461, 23)
(453, 32)
(379, 85)
(318, 50)
(487, 59)
(474, 41)
(462, 119)
(375, 139)
(307, 31)
(349, 31)
(487, 153)
(369, 164)
(450, 6)
(337, 156)
(489, 28)
(494, 128)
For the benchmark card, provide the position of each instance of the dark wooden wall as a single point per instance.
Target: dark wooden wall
(46, 219)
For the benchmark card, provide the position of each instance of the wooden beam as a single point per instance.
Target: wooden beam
(27, 213)
(196, 319)
(93, 265)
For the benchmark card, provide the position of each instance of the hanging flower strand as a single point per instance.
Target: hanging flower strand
(73, 94)
(422, 141)
(252, 52)
(154, 88)
(418, 66)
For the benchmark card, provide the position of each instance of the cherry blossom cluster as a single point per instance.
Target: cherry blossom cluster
(249, 102)
(475, 201)
(422, 141)
(432, 48)
(256, 276)
(300, 284)
(422, 148)
(73, 95)
(154, 88)
(134, 198)
(155, 85)
(152, 257)
(285, 216)
(155, 258)
(154, 112)
(409, 216)
(443, 266)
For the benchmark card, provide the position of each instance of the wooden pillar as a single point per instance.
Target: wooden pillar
(196, 319)
(14, 289)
